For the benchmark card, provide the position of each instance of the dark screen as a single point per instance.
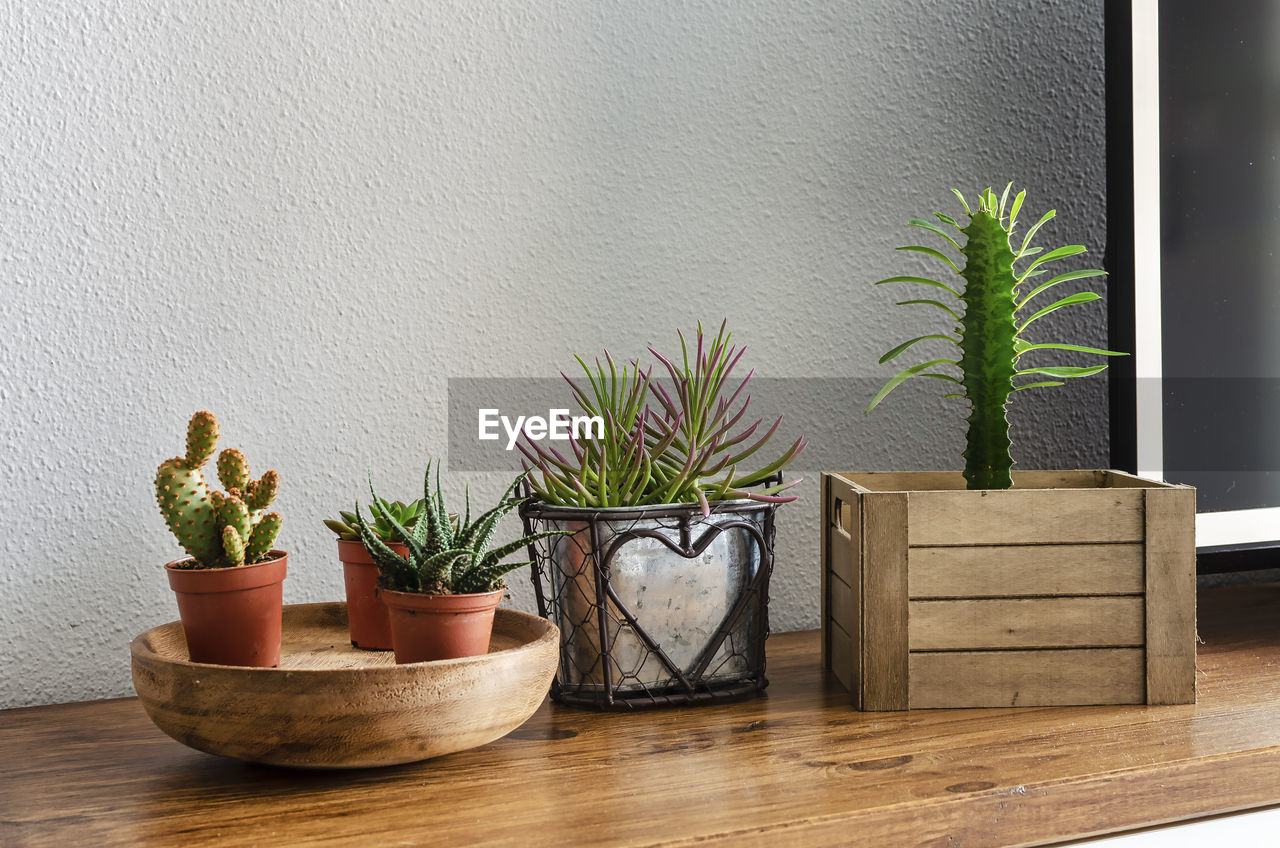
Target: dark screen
(1220, 264)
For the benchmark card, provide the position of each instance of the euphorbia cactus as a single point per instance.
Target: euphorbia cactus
(989, 333)
(217, 529)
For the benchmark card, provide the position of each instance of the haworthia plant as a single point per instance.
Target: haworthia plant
(218, 530)
(445, 557)
(999, 298)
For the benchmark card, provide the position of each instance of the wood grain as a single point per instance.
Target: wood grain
(843, 658)
(884, 603)
(824, 563)
(1013, 570)
(797, 767)
(1171, 598)
(923, 481)
(840, 564)
(331, 705)
(1034, 517)
(1027, 678)
(970, 624)
(844, 609)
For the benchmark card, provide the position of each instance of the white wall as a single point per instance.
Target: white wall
(307, 216)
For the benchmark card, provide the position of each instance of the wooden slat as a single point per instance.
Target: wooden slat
(1029, 517)
(843, 608)
(1125, 480)
(1011, 570)
(1025, 623)
(1171, 596)
(842, 548)
(852, 501)
(841, 535)
(842, 660)
(824, 564)
(1027, 678)
(884, 602)
(925, 481)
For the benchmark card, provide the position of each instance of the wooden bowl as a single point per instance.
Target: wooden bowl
(330, 705)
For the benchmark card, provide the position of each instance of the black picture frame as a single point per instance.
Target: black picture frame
(1120, 262)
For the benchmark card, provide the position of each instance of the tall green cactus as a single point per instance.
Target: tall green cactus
(217, 529)
(989, 330)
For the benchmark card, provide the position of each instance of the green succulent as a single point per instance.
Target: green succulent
(348, 528)
(218, 530)
(445, 557)
(991, 312)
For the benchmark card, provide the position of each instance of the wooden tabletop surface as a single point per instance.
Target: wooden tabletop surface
(797, 767)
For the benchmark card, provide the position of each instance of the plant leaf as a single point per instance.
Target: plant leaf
(922, 280)
(963, 202)
(944, 308)
(1063, 370)
(1057, 253)
(1061, 278)
(1004, 198)
(1053, 346)
(929, 251)
(1045, 218)
(947, 219)
(901, 377)
(935, 229)
(1079, 297)
(1040, 385)
(893, 354)
(1017, 205)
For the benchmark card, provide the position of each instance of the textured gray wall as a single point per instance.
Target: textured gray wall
(306, 217)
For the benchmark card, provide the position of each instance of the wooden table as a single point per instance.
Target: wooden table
(797, 767)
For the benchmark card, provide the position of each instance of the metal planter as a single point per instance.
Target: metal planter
(656, 605)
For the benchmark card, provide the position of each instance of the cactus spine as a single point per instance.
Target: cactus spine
(988, 332)
(217, 529)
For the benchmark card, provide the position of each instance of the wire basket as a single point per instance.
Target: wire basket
(656, 605)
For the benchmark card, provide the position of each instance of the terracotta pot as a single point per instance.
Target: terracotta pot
(440, 627)
(231, 616)
(367, 619)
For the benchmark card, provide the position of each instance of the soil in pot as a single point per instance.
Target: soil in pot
(440, 627)
(231, 616)
(367, 617)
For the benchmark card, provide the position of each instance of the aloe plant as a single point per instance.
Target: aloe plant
(347, 525)
(687, 444)
(444, 557)
(1000, 298)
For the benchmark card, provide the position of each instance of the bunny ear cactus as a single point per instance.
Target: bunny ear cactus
(991, 312)
(217, 529)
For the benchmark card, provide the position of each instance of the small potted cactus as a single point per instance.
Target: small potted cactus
(367, 619)
(993, 586)
(229, 587)
(441, 594)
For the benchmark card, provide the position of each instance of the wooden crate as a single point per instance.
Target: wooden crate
(1074, 587)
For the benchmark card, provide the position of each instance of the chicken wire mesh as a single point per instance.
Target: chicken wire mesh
(655, 606)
